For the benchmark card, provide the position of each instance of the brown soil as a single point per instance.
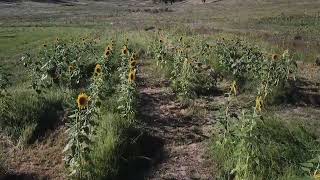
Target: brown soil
(41, 160)
(184, 154)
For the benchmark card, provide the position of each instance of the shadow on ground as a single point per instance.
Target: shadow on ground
(143, 152)
(19, 177)
(301, 92)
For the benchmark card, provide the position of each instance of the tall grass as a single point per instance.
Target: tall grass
(27, 115)
(267, 149)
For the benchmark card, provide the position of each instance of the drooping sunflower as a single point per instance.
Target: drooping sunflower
(259, 104)
(125, 50)
(82, 101)
(132, 75)
(233, 88)
(275, 57)
(97, 70)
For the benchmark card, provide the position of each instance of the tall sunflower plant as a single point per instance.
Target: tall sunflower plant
(127, 86)
(81, 127)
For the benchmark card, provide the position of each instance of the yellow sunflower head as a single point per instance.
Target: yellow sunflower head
(125, 50)
(275, 57)
(109, 47)
(132, 75)
(82, 101)
(133, 64)
(97, 70)
(107, 53)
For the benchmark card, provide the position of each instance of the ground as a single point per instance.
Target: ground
(183, 131)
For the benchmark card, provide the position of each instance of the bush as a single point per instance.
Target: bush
(254, 147)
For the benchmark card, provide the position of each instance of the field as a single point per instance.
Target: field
(143, 89)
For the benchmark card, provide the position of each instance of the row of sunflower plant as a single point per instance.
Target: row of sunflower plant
(86, 116)
(77, 68)
(186, 62)
(247, 64)
(252, 144)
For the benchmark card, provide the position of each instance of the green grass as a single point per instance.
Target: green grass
(106, 154)
(274, 150)
(16, 40)
(26, 115)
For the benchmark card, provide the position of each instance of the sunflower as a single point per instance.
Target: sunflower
(109, 47)
(97, 70)
(275, 57)
(107, 53)
(133, 63)
(132, 75)
(82, 101)
(125, 50)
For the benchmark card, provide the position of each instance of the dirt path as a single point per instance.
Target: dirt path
(184, 154)
(41, 160)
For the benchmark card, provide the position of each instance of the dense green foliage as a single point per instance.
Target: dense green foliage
(258, 147)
